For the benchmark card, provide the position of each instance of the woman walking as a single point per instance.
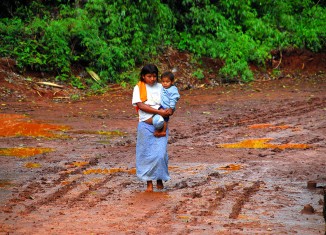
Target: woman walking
(151, 152)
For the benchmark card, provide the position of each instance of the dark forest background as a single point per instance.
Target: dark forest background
(112, 39)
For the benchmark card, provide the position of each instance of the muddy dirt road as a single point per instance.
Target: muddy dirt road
(240, 158)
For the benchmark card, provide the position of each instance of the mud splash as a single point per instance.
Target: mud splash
(19, 125)
(263, 144)
(23, 152)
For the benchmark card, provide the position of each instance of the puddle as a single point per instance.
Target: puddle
(106, 133)
(5, 183)
(263, 144)
(173, 167)
(247, 217)
(184, 218)
(32, 165)
(268, 125)
(69, 181)
(23, 152)
(231, 167)
(65, 182)
(93, 182)
(19, 125)
(109, 171)
(77, 164)
(80, 164)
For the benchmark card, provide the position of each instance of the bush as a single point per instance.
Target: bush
(112, 38)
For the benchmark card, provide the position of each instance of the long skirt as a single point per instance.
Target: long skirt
(151, 154)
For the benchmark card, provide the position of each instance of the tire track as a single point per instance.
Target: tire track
(33, 188)
(264, 116)
(221, 193)
(242, 199)
(225, 197)
(51, 198)
(92, 188)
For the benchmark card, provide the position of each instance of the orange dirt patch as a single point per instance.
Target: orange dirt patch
(262, 144)
(23, 152)
(19, 125)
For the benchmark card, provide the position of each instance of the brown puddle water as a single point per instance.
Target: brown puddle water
(32, 165)
(77, 164)
(105, 171)
(80, 164)
(106, 133)
(231, 167)
(23, 152)
(18, 125)
(268, 125)
(5, 183)
(109, 171)
(262, 144)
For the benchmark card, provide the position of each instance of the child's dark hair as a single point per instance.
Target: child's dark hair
(169, 75)
(148, 69)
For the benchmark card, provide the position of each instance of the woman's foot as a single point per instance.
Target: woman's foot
(159, 184)
(149, 186)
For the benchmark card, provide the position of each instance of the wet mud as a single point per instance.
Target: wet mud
(240, 159)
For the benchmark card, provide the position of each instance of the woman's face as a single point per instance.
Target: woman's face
(150, 78)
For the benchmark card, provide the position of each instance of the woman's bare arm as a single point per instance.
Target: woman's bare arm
(148, 109)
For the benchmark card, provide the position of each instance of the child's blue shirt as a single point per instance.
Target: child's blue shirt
(170, 97)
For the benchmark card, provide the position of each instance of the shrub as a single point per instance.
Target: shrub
(112, 38)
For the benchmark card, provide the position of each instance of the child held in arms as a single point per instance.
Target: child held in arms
(169, 99)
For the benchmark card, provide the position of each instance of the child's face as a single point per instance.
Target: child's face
(150, 78)
(166, 82)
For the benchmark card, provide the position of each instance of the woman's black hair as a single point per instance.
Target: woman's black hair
(148, 69)
(169, 75)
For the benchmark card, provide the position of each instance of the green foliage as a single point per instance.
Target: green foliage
(198, 73)
(11, 33)
(76, 82)
(131, 77)
(243, 31)
(108, 36)
(114, 38)
(75, 97)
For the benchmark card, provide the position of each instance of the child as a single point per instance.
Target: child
(169, 99)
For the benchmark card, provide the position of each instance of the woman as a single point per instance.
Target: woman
(151, 152)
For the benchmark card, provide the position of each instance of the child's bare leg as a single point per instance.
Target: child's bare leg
(161, 132)
(159, 184)
(149, 186)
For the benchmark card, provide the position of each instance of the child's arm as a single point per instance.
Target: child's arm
(174, 97)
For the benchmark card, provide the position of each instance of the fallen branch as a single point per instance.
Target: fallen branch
(61, 97)
(94, 76)
(279, 61)
(50, 84)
